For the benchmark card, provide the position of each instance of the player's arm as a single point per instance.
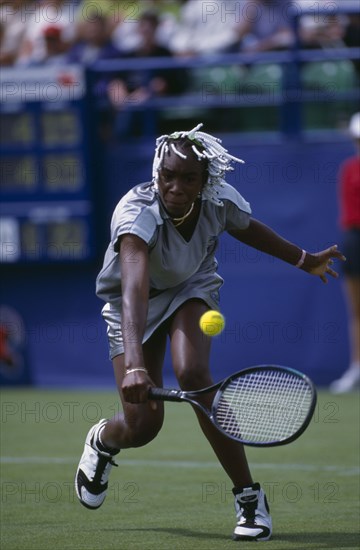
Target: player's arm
(134, 264)
(263, 238)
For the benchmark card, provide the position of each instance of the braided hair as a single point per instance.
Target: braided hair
(207, 148)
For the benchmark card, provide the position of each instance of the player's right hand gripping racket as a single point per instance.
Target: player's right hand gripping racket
(261, 406)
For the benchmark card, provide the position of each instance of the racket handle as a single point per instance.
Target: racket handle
(160, 394)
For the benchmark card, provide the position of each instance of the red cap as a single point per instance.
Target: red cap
(52, 32)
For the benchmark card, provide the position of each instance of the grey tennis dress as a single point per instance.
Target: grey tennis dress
(179, 269)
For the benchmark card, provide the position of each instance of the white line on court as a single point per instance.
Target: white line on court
(341, 470)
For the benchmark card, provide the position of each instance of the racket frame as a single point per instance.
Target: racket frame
(163, 394)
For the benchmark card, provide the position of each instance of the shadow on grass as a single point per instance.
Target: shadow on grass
(334, 541)
(177, 532)
(328, 539)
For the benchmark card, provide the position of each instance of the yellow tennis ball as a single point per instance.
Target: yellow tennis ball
(212, 323)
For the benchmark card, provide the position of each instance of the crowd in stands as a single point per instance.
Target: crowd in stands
(60, 31)
(35, 33)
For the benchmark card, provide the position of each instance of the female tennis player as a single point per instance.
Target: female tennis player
(159, 276)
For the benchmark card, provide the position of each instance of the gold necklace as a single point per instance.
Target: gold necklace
(181, 220)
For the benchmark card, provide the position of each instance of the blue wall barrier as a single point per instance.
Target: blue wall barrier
(274, 313)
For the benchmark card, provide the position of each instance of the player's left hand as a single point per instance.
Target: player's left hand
(320, 263)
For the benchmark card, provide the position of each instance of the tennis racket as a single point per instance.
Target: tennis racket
(261, 406)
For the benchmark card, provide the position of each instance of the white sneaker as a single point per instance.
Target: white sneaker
(349, 381)
(253, 514)
(91, 480)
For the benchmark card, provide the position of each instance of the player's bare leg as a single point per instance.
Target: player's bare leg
(135, 426)
(190, 350)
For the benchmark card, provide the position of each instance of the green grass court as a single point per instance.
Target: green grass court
(170, 494)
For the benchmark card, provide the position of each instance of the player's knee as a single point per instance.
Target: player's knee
(142, 437)
(144, 430)
(193, 377)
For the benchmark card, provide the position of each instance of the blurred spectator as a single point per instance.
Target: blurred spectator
(123, 25)
(43, 14)
(12, 28)
(56, 48)
(121, 19)
(169, 15)
(125, 31)
(93, 41)
(136, 86)
(349, 183)
(264, 26)
(352, 30)
(325, 30)
(205, 27)
(352, 36)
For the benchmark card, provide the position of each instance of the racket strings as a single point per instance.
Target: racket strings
(264, 406)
